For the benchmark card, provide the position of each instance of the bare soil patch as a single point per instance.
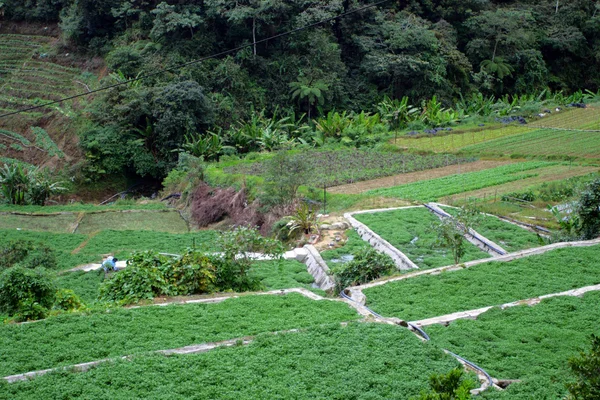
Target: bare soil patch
(395, 180)
(212, 205)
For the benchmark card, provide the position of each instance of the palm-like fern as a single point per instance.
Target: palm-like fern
(497, 66)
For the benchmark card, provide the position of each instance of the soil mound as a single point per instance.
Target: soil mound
(210, 205)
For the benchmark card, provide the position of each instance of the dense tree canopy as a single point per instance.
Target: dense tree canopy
(414, 48)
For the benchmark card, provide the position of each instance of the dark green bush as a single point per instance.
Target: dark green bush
(368, 264)
(587, 369)
(450, 386)
(142, 279)
(26, 254)
(26, 293)
(525, 196)
(149, 274)
(67, 300)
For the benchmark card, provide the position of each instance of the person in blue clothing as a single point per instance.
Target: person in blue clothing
(110, 264)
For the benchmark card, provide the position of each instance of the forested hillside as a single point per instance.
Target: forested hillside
(450, 49)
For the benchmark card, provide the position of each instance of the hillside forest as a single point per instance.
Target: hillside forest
(403, 56)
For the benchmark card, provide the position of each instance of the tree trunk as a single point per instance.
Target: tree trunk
(495, 48)
(254, 34)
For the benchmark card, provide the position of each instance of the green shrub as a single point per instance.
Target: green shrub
(450, 386)
(281, 230)
(142, 279)
(149, 274)
(588, 209)
(233, 267)
(27, 255)
(587, 369)
(67, 300)
(368, 264)
(25, 293)
(525, 196)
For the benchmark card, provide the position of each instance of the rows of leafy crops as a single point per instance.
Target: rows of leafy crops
(80, 207)
(411, 231)
(75, 249)
(510, 237)
(62, 223)
(578, 118)
(543, 142)
(21, 80)
(86, 285)
(347, 166)
(487, 284)
(531, 344)
(455, 141)
(273, 275)
(76, 338)
(367, 361)
(148, 221)
(434, 189)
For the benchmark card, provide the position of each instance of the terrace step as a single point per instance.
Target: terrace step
(473, 314)
(473, 236)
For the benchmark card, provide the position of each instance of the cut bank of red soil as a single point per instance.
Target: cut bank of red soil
(395, 180)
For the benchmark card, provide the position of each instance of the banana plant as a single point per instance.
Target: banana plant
(208, 147)
(333, 125)
(397, 112)
(14, 183)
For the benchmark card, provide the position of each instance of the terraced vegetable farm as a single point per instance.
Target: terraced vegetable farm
(303, 218)
(29, 76)
(411, 231)
(487, 284)
(321, 362)
(434, 189)
(511, 237)
(72, 339)
(530, 344)
(542, 142)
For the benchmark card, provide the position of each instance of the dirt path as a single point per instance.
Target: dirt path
(389, 181)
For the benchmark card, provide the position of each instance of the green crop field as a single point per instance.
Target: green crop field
(454, 141)
(510, 237)
(75, 249)
(488, 284)
(473, 140)
(433, 189)
(79, 207)
(86, 285)
(577, 118)
(280, 274)
(60, 223)
(410, 231)
(531, 344)
(370, 361)
(543, 142)
(338, 167)
(76, 338)
(137, 221)
(354, 244)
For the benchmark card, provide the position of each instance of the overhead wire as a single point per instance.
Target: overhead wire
(198, 60)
